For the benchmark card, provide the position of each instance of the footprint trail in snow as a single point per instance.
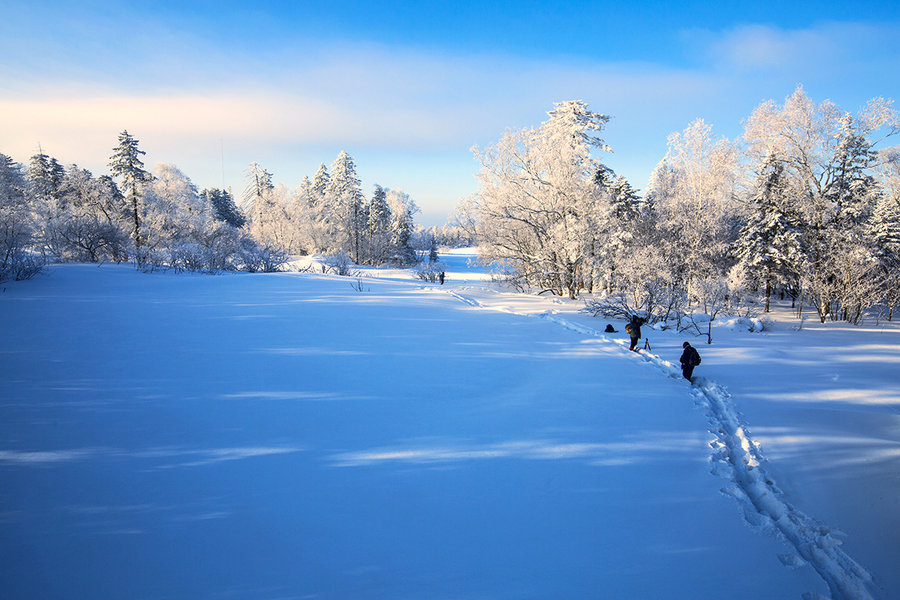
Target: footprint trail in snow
(736, 457)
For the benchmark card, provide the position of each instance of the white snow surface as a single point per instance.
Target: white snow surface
(298, 435)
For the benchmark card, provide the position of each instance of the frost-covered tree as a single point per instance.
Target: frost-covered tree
(224, 207)
(17, 260)
(174, 211)
(258, 183)
(319, 184)
(126, 164)
(538, 200)
(828, 155)
(45, 175)
(769, 244)
(615, 232)
(92, 221)
(344, 200)
(402, 209)
(378, 228)
(266, 207)
(694, 197)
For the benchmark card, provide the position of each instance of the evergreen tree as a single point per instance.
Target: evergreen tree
(402, 211)
(45, 175)
(433, 251)
(126, 164)
(306, 196)
(769, 243)
(345, 201)
(319, 185)
(379, 226)
(259, 184)
(224, 207)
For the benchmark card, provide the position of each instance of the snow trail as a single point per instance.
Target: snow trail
(737, 458)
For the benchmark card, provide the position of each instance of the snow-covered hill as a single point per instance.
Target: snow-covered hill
(300, 435)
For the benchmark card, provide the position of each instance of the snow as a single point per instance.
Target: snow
(298, 435)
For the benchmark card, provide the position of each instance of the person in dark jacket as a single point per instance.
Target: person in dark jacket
(633, 329)
(690, 358)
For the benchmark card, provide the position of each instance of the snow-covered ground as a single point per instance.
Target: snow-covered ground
(297, 435)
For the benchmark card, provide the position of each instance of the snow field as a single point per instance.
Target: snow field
(404, 441)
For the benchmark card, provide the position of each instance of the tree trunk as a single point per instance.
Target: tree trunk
(137, 221)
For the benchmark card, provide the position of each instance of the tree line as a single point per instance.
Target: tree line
(162, 220)
(802, 205)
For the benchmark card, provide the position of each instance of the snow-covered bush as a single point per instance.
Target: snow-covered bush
(337, 263)
(430, 271)
(193, 257)
(84, 237)
(256, 258)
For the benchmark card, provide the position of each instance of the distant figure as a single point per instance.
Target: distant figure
(609, 328)
(441, 277)
(690, 358)
(633, 329)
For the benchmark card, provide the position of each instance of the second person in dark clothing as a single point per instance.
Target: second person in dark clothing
(690, 358)
(633, 329)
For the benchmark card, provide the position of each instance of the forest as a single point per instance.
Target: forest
(804, 205)
(161, 220)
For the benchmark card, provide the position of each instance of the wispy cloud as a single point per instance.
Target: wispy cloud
(190, 99)
(831, 48)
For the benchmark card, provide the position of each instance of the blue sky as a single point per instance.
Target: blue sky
(408, 88)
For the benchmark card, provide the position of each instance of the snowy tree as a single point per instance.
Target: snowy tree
(615, 233)
(16, 226)
(402, 209)
(828, 156)
(379, 227)
(45, 175)
(126, 164)
(92, 221)
(537, 198)
(344, 201)
(258, 185)
(267, 208)
(224, 207)
(319, 184)
(694, 196)
(769, 244)
(175, 215)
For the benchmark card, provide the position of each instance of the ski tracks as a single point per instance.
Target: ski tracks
(736, 457)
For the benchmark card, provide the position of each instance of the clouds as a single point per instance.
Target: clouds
(211, 105)
(829, 49)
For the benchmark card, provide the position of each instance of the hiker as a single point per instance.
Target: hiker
(634, 330)
(690, 358)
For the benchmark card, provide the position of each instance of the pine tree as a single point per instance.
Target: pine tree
(306, 197)
(345, 201)
(126, 164)
(379, 226)
(769, 243)
(224, 207)
(433, 251)
(402, 211)
(319, 185)
(45, 175)
(259, 184)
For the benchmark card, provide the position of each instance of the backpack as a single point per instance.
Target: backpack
(628, 328)
(696, 360)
